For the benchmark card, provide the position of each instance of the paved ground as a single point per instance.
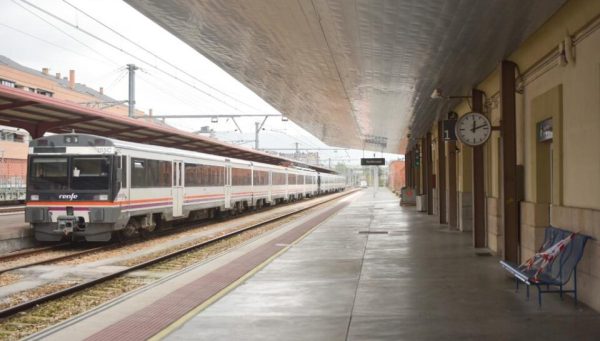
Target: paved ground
(419, 282)
(14, 232)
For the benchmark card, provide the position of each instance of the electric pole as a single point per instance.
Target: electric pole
(256, 130)
(131, 68)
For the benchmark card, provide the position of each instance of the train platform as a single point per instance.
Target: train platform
(15, 233)
(362, 269)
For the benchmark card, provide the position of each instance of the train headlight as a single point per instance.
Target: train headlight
(34, 197)
(101, 197)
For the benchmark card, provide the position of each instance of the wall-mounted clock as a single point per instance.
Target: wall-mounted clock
(473, 129)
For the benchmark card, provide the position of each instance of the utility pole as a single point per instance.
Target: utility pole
(256, 131)
(131, 68)
(258, 126)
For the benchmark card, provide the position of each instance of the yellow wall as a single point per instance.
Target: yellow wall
(576, 158)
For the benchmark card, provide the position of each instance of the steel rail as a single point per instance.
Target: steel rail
(56, 259)
(30, 252)
(176, 228)
(82, 286)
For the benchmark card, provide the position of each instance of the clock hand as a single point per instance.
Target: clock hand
(474, 124)
(481, 126)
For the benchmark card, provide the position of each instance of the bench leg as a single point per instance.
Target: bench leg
(527, 292)
(517, 281)
(539, 296)
(575, 285)
(561, 292)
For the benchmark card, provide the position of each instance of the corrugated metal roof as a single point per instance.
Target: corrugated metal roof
(355, 73)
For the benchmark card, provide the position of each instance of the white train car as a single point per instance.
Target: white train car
(90, 187)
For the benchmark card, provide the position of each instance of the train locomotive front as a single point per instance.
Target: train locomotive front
(72, 183)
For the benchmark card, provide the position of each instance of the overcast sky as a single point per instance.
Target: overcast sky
(35, 39)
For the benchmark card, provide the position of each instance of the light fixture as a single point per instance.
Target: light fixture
(284, 119)
(214, 119)
(438, 94)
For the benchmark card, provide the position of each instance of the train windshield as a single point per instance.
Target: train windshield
(89, 173)
(70, 173)
(49, 173)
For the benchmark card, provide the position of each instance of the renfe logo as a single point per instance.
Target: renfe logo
(71, 196)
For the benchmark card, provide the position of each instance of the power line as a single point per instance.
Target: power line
(127, 53)
(65, 33)
(157, 56)
(47, 42)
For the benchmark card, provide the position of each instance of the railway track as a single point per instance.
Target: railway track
(52, 259)
(64, 247)
(21, 307)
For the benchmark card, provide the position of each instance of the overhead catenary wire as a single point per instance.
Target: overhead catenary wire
(48, 42)
(128, 54)
(157, 56)
(186, 101)
(67, 34)
(164, 86)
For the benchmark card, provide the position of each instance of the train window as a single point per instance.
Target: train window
(240, 177)
(204, 175)
(90, 173)
(164, 174)
(49, 173)
(291, 179)
(260, 178)
(278, 179)
(138, 173)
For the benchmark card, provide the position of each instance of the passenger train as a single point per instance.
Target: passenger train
(86, 187)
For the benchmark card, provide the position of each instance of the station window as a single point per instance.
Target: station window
(8, 83)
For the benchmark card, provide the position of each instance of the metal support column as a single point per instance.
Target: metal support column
(441, 173)
(131, 68)
(429, 173)
(478, 182)
(452, 186)
(509, 161)
(407, 170)
(418, 170)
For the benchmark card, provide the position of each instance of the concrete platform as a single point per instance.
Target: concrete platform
(417, 282)
(15, 233)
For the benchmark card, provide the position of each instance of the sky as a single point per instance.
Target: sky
(35, 39)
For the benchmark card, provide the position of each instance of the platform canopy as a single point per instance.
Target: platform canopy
(355, 73)
(39, 114)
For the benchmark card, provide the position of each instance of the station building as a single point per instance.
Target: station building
(541, 165)
(13, 142)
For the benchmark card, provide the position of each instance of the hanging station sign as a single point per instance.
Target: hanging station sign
(374, 161)
(544, 130)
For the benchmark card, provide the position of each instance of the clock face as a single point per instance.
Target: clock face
(473, 129)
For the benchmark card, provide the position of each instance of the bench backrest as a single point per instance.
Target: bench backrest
(562, 268)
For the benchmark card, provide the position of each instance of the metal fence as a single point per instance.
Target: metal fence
(12, 188)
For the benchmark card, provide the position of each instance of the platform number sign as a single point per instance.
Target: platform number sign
(473, 129)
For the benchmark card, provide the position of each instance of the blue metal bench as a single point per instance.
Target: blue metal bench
(556, 274)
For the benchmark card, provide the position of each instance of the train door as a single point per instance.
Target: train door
(270, 187)
(227, 185)
(177, 188)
